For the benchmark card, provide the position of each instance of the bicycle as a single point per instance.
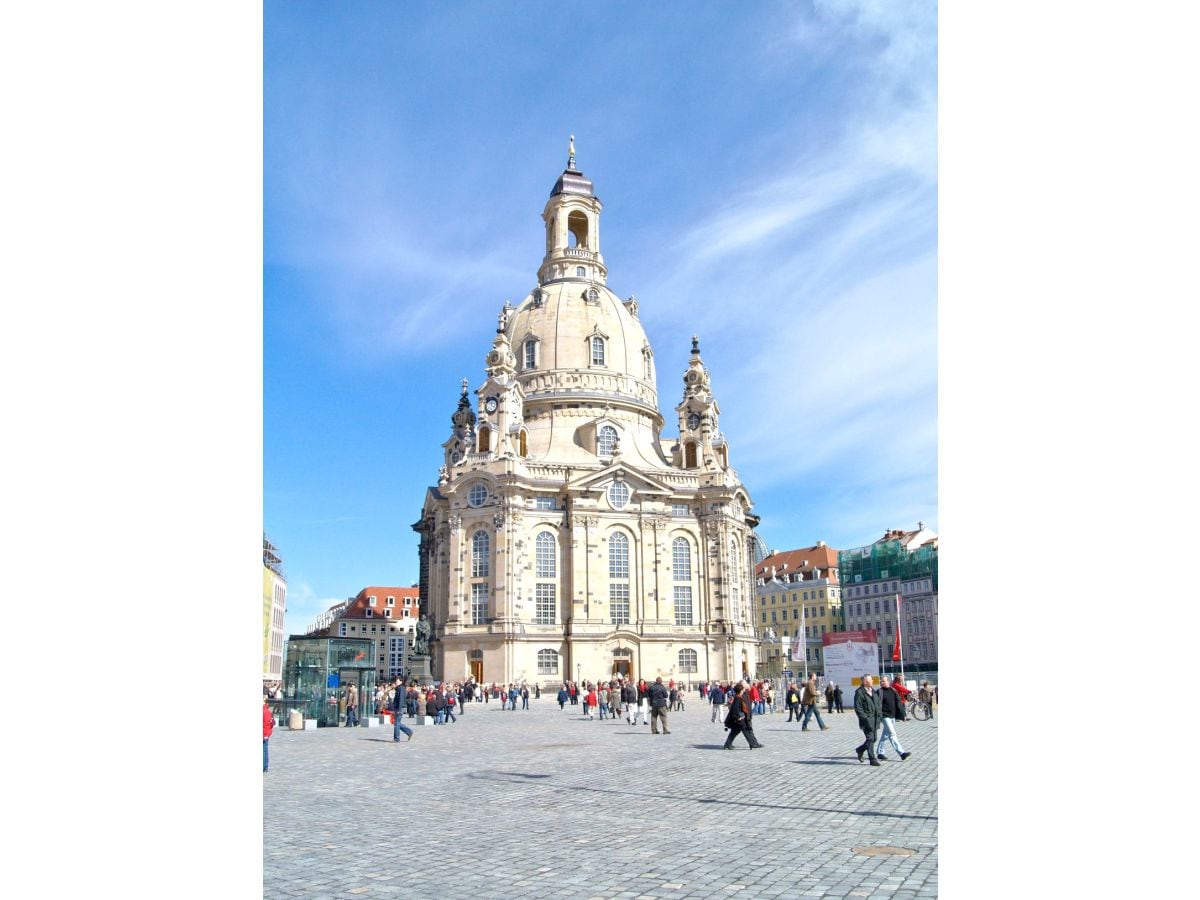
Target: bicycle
(920, 710)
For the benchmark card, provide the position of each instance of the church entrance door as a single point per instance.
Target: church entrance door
(621, 667)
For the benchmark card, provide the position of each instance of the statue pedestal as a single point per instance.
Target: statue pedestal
(419, 669)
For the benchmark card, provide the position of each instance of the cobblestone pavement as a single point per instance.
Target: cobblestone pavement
(543, 803)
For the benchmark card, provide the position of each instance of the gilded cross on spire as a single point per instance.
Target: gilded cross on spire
(571, 153)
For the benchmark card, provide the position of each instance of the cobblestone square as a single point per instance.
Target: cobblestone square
(546, 803)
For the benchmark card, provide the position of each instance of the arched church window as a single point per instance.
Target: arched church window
(681, 560)
(545, 592)
(688, 661)
(580, 272)
(618, 574)
(547, 662)
(681, 575)
(480, 544)
(531, 354)
(606, 440)
(597, 350)
(485, 439)
(524, 448)
(689, 455)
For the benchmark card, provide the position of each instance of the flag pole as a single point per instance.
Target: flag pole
(804, 640)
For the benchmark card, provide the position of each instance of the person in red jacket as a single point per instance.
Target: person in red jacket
(268, 727)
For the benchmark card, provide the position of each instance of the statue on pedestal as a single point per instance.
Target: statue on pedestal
(421, 642)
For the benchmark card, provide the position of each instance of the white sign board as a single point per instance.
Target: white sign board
(845, 664)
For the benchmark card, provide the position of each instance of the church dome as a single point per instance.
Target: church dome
(577, 329)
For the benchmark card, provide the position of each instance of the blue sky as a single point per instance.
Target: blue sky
(769, 175)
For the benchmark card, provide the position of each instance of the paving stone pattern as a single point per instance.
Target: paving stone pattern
(541, 803)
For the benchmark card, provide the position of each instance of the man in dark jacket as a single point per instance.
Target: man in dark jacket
(891, 707)
(398, 703)
(738, 718)
(868, 708)
(793, 702)
(716, 696)
(659, 696)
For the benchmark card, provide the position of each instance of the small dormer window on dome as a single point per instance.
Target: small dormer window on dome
(597, 350)
(606, 441)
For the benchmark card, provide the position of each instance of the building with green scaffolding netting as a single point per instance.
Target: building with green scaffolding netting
(898, 571)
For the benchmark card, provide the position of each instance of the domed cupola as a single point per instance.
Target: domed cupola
(572, 217)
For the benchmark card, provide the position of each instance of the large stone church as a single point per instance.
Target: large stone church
(567, 536)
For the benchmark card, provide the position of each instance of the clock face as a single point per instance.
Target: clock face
(491, 404)
(693, 421)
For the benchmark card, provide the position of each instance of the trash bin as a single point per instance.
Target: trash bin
(295, 720)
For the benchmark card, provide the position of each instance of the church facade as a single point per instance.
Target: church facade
(567, 538)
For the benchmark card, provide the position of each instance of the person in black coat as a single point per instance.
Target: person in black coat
(868, 708)
(659, 697)
(793, 702)
(738, 719)
(837, 697)
(398, 703)
(891, 707)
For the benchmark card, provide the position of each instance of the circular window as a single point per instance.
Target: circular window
(618, 494)
(478, 494)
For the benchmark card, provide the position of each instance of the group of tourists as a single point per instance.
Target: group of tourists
(878, 709)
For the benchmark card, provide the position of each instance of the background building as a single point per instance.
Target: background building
(274, 605)
(900, 563)
(796, 590)
(566, 537)
(387, 616)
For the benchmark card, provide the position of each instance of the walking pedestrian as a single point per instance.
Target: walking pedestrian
(351, 706)
(739, 718)
(793, 702)
(925, 695)
(524, 696)
(891, 707)
(590, 700)
(837, 697)
(268, 728)
(563, 697)
(629, 697)
(829, 699)
(810, 700)
(659, 697)
(399, 701)
(716, 697)
(869, 711)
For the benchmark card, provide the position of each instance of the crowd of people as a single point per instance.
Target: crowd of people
(734, 704)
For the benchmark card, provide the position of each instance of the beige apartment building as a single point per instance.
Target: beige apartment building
(797, 594)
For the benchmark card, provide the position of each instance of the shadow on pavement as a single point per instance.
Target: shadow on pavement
(724, 802)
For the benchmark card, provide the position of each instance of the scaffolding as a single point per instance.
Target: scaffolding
(271, 558)
(888, 559)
